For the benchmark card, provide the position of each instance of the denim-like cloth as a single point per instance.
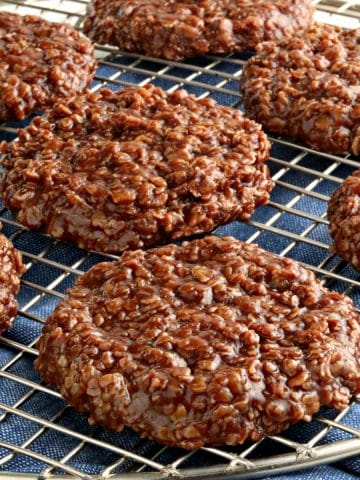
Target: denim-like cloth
(38, 305)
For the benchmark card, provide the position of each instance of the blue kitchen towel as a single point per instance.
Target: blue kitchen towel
(48, 277)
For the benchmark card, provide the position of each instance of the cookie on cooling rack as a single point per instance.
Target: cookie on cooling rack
(175, 29)
(308, 88)
(344, 219)
(11, 269)
(40, 63)
(117, 170)
(212, 342)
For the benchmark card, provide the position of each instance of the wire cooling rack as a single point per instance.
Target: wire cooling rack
(40, 435)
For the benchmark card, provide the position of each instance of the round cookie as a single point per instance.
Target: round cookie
(344, 219)
(11, 269)
(117, 170)
(40, 63)
(177, 29)
(212, 342)
(308, 88)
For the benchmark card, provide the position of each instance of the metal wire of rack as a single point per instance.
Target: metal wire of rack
(293, 224)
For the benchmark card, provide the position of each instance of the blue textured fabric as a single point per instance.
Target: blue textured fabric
(38, 305)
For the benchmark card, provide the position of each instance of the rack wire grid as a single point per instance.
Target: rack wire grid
(40, 435)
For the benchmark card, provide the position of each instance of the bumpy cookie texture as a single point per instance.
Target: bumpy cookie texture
(344, 219)
(11, 269)
(176, 29)
(308, 88)
(212, 342)
(135, 168)
(40, 62)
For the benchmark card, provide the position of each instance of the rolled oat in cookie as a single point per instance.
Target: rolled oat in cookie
(177, 29)
(117, 170)
(11, 269)
(344, 219)
(308, 88)
(40, 62)
(212, 342)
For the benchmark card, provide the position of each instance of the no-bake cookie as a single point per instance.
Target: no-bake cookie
(308, 88)
(212, 342)
(117, 170)
(175, 29)
(344, 219)
(11, 269)
(40, 62)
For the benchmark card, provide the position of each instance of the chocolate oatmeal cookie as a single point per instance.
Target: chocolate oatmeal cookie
(117, 170)
(308, 88)
(40, 62)
(212, 342)
(11, 269)
(176, 29)
(344, 219)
